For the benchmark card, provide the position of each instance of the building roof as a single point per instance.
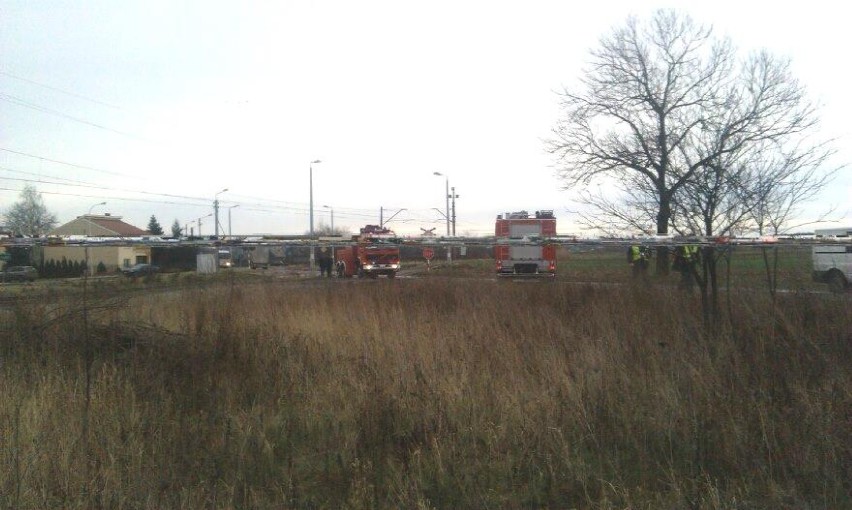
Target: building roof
(94, 225)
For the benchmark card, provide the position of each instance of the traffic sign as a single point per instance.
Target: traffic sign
(428, 253)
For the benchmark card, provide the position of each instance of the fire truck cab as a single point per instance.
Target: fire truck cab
(373, 253)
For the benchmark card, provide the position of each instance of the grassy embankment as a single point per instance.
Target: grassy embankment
(425, 394)
(743, 266)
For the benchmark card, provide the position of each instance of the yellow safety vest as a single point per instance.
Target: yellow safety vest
(635, 253)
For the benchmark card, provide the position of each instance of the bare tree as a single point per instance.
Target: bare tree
(325, 230)
(752, 148)
(666, 107)
(757, 163)
(785, 182)
(647, 89)
(30, 216)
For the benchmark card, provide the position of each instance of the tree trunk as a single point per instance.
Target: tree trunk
(663, 218)
(713, 276)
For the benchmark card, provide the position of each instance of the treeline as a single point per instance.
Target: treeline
(66, 268)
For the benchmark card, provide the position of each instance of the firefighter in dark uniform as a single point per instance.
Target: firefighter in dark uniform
(325, 261)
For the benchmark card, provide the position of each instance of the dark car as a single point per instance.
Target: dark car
(19, 274)
(140, 270)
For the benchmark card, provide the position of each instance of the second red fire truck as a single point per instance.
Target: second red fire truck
(522, 246)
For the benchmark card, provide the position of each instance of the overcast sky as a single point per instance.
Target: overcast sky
(155, 106)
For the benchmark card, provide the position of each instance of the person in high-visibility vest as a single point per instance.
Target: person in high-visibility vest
(685, 261)
(637, 258)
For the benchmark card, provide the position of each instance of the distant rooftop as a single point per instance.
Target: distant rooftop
(98, 225)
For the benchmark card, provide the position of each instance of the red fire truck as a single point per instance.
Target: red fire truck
(522, 247)
(374, 252)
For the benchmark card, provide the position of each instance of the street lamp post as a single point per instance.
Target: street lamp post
(199, 222)
(216, 212)
(88, 233)
(447, 195)
(90, 213)
(332, 217)
(311, 183)
(229, 218)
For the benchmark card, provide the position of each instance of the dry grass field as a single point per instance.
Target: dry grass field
(424, 393)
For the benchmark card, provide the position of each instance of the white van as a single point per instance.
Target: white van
(833, 265)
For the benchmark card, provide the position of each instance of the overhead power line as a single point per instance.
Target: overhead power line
(106, 188)
(82, 167)
(108, 197)
(56, 89)
(69, 181)
(26, 104)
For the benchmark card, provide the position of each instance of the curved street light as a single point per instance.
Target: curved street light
(229, 218)
(199, 222)
(311, 179)
(332, 217)
(447, 195)
(95, 205)
(311, 183)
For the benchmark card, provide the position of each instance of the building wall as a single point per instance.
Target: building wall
(113, 257)
(129, 255)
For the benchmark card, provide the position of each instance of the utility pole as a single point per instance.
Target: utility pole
(381, 214)
(454, 197)
(216, 213)
(216, 218)
(312, 257)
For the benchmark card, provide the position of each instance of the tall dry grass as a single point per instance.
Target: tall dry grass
(418, 394)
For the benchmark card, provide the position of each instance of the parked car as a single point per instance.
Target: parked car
(140, 270)
(19, 274)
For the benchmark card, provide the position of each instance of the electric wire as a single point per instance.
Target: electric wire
(26, 104)
(73, 165)
(56, 89)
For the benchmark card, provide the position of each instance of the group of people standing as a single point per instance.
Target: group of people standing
(685, 261)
